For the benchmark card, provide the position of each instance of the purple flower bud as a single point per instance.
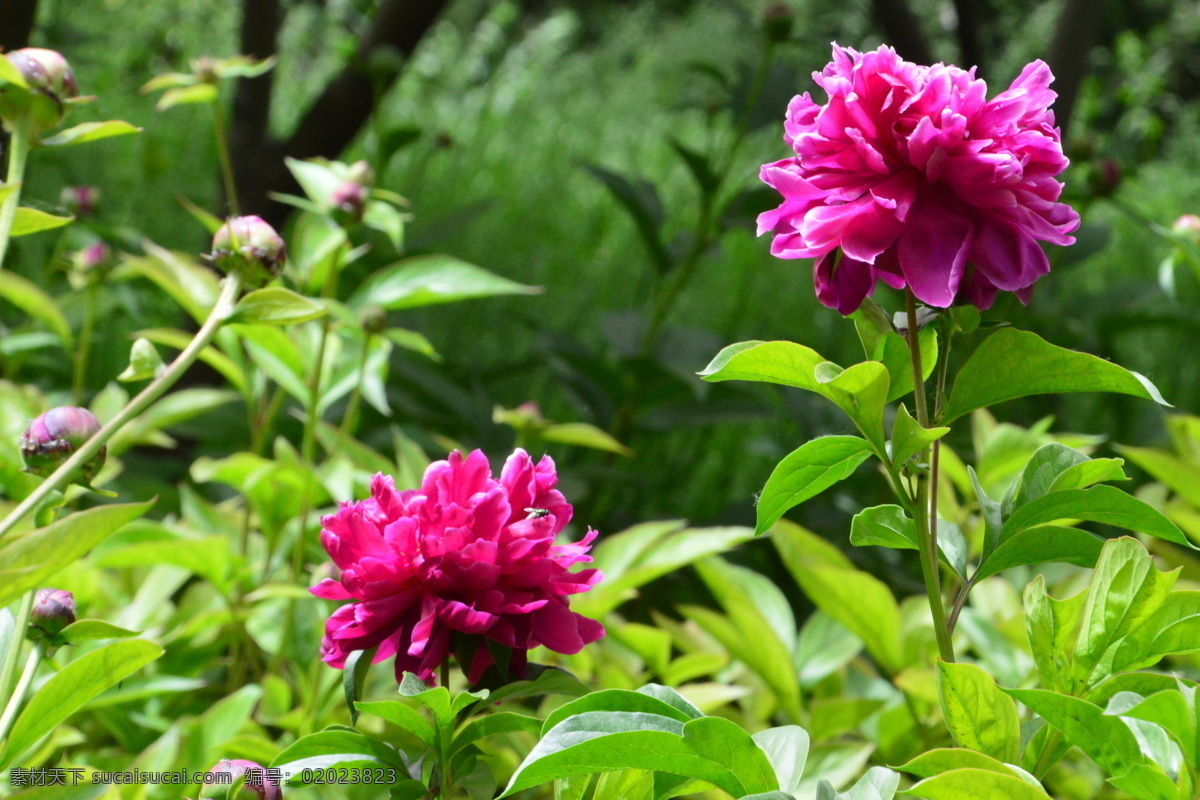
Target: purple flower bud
(53, 610)
(250, 246)
(51, 439)
(80, 200)
(46, 71)
(350, 199)
(257, 785)
(93, 256)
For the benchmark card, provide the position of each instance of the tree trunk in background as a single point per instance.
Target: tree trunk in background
(1078, 31)
(16, 23)
(967, 33)
(335, 117)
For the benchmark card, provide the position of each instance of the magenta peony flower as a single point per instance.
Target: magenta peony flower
(462, 561)
(909, 175)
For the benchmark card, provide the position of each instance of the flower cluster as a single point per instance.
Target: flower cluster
(460, 563)
(910, 175)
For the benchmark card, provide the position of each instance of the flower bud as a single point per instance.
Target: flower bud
(373, 319)
(81, 201)
(778, 21)
(51, 439)
(50, 82)
(226, 772)
(250, 246)
(349, 199)
(53, 610)
(1188, 226)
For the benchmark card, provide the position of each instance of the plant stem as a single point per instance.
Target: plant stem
(18, 154)
(14, 644)
(1046, 759)
(223, 155)
(18, 695)
(88, 450)
(350, 417)
(85, 343)
(926, 525)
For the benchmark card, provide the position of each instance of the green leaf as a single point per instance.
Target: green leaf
(1173, 628)
(890, 526)
(493, 724)
(1147, 782)
(144, 362)
(34, 301)
(1126, 590)
(979, 715)
(806, 472)
(1089, 473)
(354, 674)
(1104, 504)
(90, 132)
(880, 783)
(334, 748)
(642, 204)
(945, 759)
(872, 323)
(892, 351)
(1106, 740)
(10, 74)
(178, 340)
(710, 749)
(36, 556)
(403, 716)
(1172, 712)
(909, 438)
(583, 435)
(540, 681)
(856, 599)
(387, 219)
(1012, 363)
(32, 220)
(787, 750)
(91, 629)
(975, 784)
(861, 391)
(1178, 475)
(73, 686)
(1040, 545)
(1044, 467)
(615, 700)
(699, 165)
(430, 280)
(185, 95)
(275, 305)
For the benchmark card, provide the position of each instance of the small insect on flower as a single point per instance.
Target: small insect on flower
(537, 513)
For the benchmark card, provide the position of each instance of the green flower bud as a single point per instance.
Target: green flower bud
(51, 439)
(251, 247)
(53, 610)
(51, 82)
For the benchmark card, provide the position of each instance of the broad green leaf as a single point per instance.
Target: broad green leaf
(1173, 628)
(1173, 713)
(1089, 473)
(90, 132)
(975, 784)
(333, 748)
(880, 783)
(615, 700)
(823, 647)
(430, 280)
(32, 220)
(1106, 740)
(1147, 782)
(979, 715)
(1044, 467)
(190, 285)
(318, 178)
(1042, 544)
(856, 599)
(1012, 363)
(178, 340)
(493, 724)
(892, 351)
(387, 219)
(144, 362)
(29, 561)
(787, 750)
(185, 95)
(890, 526)
(909, 438)
(402, 715)
(1125, 592)
(34, 301)
(275, 305)
(945, 759)
(1104, 504)
(209, 557)
(540, 681)
(860, 391)
(437, 699)
(806, 472)
(672, 698)
(710, 749)
(276, 355)
(73, 686)
(872, 323)
(92, 629)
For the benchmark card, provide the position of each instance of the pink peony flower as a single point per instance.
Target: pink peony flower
(462, 561)
(909, 175)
